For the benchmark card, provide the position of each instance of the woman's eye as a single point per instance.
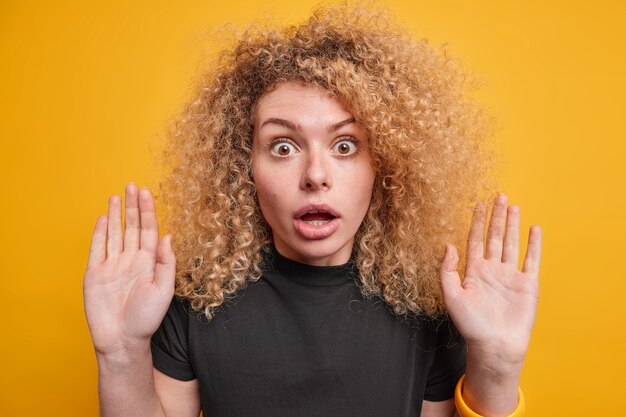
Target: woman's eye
(283, 149)
(345, 147)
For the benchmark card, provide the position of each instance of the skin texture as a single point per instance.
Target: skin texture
(320, 165)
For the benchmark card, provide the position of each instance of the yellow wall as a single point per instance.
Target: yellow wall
(87, 87)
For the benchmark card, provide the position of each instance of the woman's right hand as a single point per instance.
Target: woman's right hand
(129, 282)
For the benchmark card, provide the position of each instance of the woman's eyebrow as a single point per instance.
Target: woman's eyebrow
(290, 125)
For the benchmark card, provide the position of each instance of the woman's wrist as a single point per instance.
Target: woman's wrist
(124, 357)
(491, 382)
(494, 365)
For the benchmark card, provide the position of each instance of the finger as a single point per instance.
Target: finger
(495, 233)
(450, 279)
(511, 240)
(477, 233)
(149, 228)
(131, 226)
(114, 230)
(97, 250)
(165, 271)
(533, 253)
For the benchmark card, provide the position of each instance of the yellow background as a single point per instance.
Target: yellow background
(87, 88)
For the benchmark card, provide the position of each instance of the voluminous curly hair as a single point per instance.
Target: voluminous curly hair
(428, 144)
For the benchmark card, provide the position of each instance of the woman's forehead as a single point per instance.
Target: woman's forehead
(294, 91)
(295, 100)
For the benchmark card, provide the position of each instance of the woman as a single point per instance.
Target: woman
(316, 179)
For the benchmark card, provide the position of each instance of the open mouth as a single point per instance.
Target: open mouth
(317, 218)
(316, 221)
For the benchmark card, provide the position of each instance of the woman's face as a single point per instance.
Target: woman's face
(312, 171)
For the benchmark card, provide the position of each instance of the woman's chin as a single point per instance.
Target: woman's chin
(320, 252)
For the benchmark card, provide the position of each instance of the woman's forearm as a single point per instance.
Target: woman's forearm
(126, 384)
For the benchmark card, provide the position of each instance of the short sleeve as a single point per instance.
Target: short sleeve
(170, 343)
(448, 365)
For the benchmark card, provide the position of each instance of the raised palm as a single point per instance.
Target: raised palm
(129, 281)
(495, 306)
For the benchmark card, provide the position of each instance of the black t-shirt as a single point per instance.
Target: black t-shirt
(303, 341)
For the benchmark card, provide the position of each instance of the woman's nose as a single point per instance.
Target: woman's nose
(316, 174)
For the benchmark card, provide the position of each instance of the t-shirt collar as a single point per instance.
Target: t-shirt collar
(313, 275)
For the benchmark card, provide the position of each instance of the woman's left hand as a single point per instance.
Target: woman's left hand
(494, 307)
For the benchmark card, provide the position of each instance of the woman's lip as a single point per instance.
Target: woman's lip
(314, 208)
(308, 231)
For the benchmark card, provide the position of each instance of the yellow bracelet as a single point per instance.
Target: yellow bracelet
(465, 411)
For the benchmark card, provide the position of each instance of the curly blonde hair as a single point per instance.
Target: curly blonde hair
(427, 142)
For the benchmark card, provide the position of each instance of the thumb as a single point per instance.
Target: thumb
(165, 271)
(450, 279)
